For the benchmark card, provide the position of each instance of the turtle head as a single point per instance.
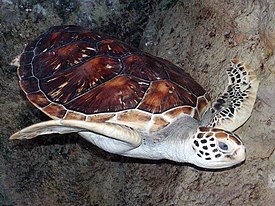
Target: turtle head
(215, 148)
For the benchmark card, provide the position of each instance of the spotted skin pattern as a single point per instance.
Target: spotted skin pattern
(212, 143)
(236, 103)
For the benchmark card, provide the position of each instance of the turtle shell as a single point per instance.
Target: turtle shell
(71, 72)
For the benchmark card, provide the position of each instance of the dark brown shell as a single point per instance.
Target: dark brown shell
(71, 72)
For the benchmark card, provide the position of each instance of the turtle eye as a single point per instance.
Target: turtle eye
(223, 146)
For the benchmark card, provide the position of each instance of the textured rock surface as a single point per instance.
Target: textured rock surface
(199, 37)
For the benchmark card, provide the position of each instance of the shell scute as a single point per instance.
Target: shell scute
(176, 75)
(144, 67)
(164, 95)
(86, 36)
(113, 48)
(55, 40)
(63, 58)
(161, 96)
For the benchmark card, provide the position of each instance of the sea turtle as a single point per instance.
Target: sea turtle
(131, 103)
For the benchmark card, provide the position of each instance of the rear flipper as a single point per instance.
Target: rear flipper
(234, 106)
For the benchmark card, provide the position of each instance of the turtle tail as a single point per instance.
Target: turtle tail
(233, 108)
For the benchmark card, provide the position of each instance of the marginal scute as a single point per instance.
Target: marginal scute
(29, 85)
(55, 38)
(134, 118)
(55, 111)
(31, 46)
(177, 112)
(74, 115)
(39, 99)
(25, 71)
(133, 115)
(88, 36)
(26, 58)
(203, 104)
(99, 117)
(196, 114)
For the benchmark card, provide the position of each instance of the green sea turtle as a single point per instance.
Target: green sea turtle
(131, 103)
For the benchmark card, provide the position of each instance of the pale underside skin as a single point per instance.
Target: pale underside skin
(183, 140)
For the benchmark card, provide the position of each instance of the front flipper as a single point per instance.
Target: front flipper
(234, 107)
(115, 131)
